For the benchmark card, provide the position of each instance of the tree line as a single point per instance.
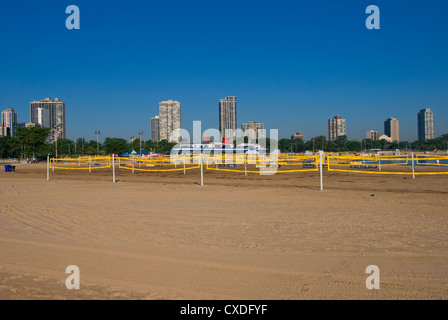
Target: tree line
(32, 142)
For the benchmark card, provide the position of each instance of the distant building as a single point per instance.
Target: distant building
(425, 119)
(9, 122)
(1, 131)
(297, 136)
(32, 125)
(373, 135)
(49, 114)
(227, 118)
(253, 130)
(169, 121)
(155, 131)
(336, 128)
(392, 129)
(385, 137)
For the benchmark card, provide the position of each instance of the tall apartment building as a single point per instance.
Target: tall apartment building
(425, 120)
(373, 135)
(336, 128)
(254, 130)
(167, 122)
(155, 133)
(392, 129)
(9, 122)
(227, 118)
(50, 114)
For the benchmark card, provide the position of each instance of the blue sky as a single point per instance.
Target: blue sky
(291, 64)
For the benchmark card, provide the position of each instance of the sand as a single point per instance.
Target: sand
(163, 236)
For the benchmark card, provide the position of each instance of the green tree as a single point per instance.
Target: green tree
(116, 145)
(9, 148)
(32, 140)
(354, 145)
(285, 145)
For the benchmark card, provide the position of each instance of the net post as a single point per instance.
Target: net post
(53, 164)
(321, 154)
(133, 164)
(413, 169)
(202, 171)
(113, 167)
(90, 164)
(245, 165)
(48, 167)
(184, 164)
(379, 161)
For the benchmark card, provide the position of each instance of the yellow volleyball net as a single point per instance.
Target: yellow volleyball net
(281, 163)
(81, 163)
(407, 164)
(159, 163)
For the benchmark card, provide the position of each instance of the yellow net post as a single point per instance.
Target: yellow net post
(413, 169)
(202, 172)
(321, 154)
(48, 167)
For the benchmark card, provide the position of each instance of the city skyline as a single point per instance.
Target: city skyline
(364, 75)
(41, 110)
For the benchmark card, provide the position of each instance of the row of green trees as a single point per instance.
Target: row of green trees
(342, 144)
(31, 142)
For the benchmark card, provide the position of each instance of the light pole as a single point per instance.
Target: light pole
(140, 135)
(97, 143)
(56, 133)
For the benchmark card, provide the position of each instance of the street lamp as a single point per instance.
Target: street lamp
(97, 143)
(140, 134)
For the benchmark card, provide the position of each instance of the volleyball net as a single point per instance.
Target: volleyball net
(255, 163)
(408, 164)
(159, 163)
(81, 163)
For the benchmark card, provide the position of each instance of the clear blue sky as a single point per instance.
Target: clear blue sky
(291, 64)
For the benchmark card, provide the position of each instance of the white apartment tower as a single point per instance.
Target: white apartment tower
(155, 131)
(50, 114)
(336, 128)
(9, 121)
(425, 121)
(227, 118)
(169, 121)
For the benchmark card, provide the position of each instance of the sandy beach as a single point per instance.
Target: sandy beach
(163, 236)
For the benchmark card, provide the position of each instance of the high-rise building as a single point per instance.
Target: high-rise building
(1, 131)
(254, 130)
(43, 117)
(425, 124)
(392, 129)
(169, 121)
(50, 114)
(336, 128)
(373, 135)
(9, 122)
(297, 136)
(155, 131)
(227, 118)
